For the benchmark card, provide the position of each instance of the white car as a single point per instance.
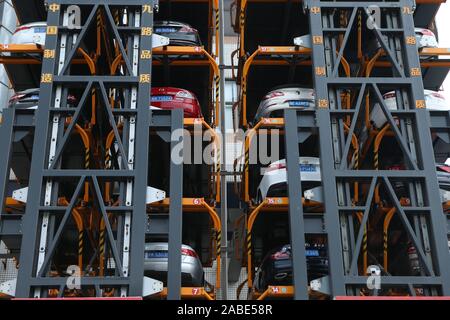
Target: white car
(274, 103)
(35, 32)
(30, 33)
(274, 181)
(425, 38)
(433, 101)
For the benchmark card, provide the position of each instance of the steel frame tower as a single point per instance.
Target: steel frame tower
(45, 218)
(422, 218)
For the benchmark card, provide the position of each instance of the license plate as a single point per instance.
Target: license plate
(39, 29)
(165, 30)
(161, 98)
(312, 253)
(156, 254)
(308, 168)
(298, 103)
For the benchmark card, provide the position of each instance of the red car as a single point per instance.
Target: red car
(168, 98)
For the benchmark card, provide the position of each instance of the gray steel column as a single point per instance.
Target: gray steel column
(223, 169)
(29, 250)
(6, 144)
(332, 219)
(438, 230)
(141, 165)
(7, 26)
(175, 214)
(296, 222)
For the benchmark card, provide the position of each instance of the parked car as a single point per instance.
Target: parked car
(156, 258)
(35, 33)
(276, 267)
(274, 181)
(443, 175)
(29, 99)
(280, 98)
(433, 101)
(425, 38)
(30, 33)
(179, 33)
(169, 98)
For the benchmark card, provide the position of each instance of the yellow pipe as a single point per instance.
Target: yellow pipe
(387, 221)
(79, 222)
(248, 139)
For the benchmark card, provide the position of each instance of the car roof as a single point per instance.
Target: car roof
(28, 91)
(34, 24)
(171, 22)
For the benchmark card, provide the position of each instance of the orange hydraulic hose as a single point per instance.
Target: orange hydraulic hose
(79, 222)
(92, 69)
(247, 144)
(109, 140)
(115, 63)
(236, 241)
(250, 222)
(376, 148)
(216, 11)
(217, 155)
(364, 243)
(87, 151)
(369, 68)
(218, 227)
(242, 28)
(244, 83)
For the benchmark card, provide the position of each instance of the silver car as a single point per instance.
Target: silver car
(285, 97)
(156, 256)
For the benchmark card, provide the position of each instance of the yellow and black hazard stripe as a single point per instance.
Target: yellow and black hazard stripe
(217, 85)
(108, 159)
(80, 242)
(356, 156)
(87, 158)
(364, 243)
(375, 161)
(116, 17)
(242, 18)
(102, 242)
(217, 19)
(246, 159)
(218, 162)
(218, 242)
(249, 243)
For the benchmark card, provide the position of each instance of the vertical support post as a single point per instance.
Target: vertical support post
(223, 169)
(438, 230)
(31, 218)
(296, 222)
(175, 213)
(331, 217)
(141, 163)
(6, 144)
